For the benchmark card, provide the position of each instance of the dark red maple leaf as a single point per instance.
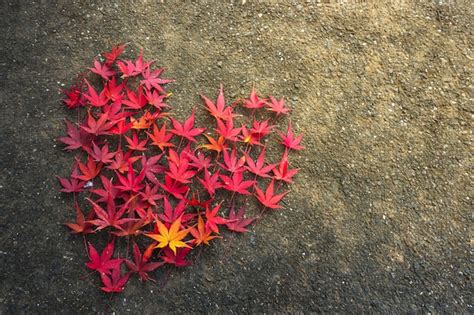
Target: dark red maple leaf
(136, 144)
(111, 217)
(96, 100)
(101, 154)
(171, 214)
(141, 265)
(131, 182)
(103, 263)
(237, 222)
(107, 191)
(102, 70)
(210, 182)
(89, 170)
(178, 260)
(81, 225)
(76, 138)
(174, 187)
(71, 185)
(151, 167)
(101, 126)
(135, 101)
(115, 282)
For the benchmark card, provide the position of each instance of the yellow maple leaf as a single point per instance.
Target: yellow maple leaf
(171, 237)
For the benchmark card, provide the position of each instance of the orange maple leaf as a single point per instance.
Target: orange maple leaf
(202, 235)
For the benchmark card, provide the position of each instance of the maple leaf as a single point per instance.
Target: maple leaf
(218, 110)
(226, 129)
(236, 183)
(151, 167)
(144, 122)
(180, 172)
(277, 107)
(132, 228)
(120, 128)
(258, 167)
(76, 138)
(214, 145)
(99, 127)
(171, 214)
(150, 194)
(81, 225)
(135, 144)
(114, 283)
(282, 172)
(171, 237)
(111, 56)
(102, 263)
(155, 99)
(71, 185)
(231, 163)
(111, 217)
(186, 129)
(237, 222)
(249, 137)
(131, 183)
(289, 140)
(107, 191)
(141, 265)
(135, 101)
(212, 220)
(160, 138)
(174, 187)
(89, 170)
(101, 154)
(120, 162)
(268, 199)
(103, 70)
(210, 182)
(254, 102)
(74, 97)
(199, 160)
(260, 129)
(178, 259)
(96, 100)
(114, 91)
(152, 79)
(131, 69)
(202, 235)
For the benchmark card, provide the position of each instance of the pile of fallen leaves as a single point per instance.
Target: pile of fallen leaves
(145, 177)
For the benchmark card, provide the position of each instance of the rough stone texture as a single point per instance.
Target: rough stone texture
(378, 217)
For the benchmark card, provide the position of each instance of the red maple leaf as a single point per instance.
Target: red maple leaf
(160, 138)
(120, 162)
(135, 101)
(150, 194)
(199, 160)
(111, 56)
(289, 140)
(258, 167)
(81, 225)
(218, 110)
(102, 263)
(236, 183)
(181, 172)
(96, 100)
(140, 263)
(151, 167)
(136, 144)
(226, 129)
(76, 138)
(111, 217)
(186, 129)
(171, 214)
(156, 99)
(101, 154)
(254, 102)
(237, 222)
(268, 199)
(231, 163)
(131, 182)
(178, 259)
(114, 283)
(210, 182)
(107, 191)
(89, 170)
(212, 220)
(71, 185)
(101, 126)
(174, 187)
(282, 172)
(277, 107)
(152, 79)
(103, 70)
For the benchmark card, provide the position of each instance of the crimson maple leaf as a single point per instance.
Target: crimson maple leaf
(131, 183)
(111, 56)
(282, 172)
(111, 217)
(114, 283)
(212, 220)
(96, 100)
(226, 129)
(107, 191)
(89, 170)
(101, 126)
(81, 225)
(186, 129)
(141, 265)
(121, 161)
(199, 160)
(102, 263)
(150, 194)
(152, 167)
(289, 140)
(76, 138)
(237, 222)
(210, 182)
(160, 138)
(152, 79)
(218, 110)
(103, 70)
(155, 99)
(268, 199)
(171, 214)
(181, 172)
(260, 129)
(101, 154)
(231, 163)
(71, 185)
(174, 187)
(74, 97)
(258, 167)
(277, 107)
(135, 101)
(254, 102)
(236, 183)
(135, 144)
(178, 259)
(249, 137)
(114, 91)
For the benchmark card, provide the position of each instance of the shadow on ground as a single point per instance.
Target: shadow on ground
(378, 217)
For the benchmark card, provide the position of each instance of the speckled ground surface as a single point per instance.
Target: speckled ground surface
(378, 217)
